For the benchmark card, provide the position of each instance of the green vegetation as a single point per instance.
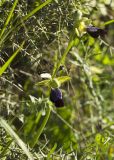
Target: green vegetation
(44, 44)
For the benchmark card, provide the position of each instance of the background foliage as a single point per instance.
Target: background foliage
(38, 37)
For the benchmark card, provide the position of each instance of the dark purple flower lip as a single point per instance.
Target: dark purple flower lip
(56, 97)
(59, 103)
(55, 94)
(95, 32)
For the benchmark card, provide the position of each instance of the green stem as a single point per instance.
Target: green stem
(71, 42)
(40, 130)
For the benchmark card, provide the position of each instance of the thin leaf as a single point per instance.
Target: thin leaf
(5, 150)
(34, 125)
(22, 145)
(43, 83)
(52, 151)
(63, 79)
(109, 22)
(19, 24)
(35, 10)
(8, 18)
(55, 59)
(5, 66)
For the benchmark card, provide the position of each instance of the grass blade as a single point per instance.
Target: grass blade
(4, 151)
(5, 66)
(61, 61)
(19, 24)
(109, 22)
(8, 18)
(22, 145)
(35, 10)
(51, 151)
